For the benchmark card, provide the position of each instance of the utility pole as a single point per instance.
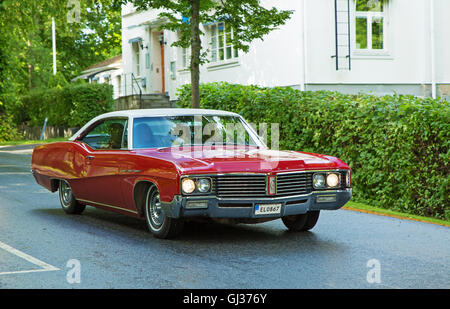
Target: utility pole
(54, 45)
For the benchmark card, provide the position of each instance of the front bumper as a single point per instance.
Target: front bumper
(245, 208)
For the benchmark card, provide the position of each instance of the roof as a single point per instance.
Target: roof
(111, 64)
(155, 112)
(105, 63)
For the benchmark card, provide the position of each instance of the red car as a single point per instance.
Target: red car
(173, 165)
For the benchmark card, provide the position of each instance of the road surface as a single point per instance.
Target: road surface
(42, 247)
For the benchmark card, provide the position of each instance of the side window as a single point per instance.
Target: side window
(109, 134)
(370, 25)
(222, 47)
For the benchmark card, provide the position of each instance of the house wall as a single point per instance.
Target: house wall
(442, 47)
(298, 54)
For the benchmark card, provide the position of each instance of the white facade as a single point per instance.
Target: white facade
(412, 58)
(108, 72)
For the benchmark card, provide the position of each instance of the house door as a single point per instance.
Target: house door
(162, 43)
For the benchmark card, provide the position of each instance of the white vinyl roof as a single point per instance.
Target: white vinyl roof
(154, 112)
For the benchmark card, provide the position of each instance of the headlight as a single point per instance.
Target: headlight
(188, 185)
(319, 181)
(203, 185)
(332, 180)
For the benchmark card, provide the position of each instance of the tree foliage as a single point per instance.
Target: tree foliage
(248, 18)
(26, 41)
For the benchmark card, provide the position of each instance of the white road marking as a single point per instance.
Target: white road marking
(44, 266)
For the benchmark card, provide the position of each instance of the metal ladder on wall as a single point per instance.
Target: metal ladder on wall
(342, 35)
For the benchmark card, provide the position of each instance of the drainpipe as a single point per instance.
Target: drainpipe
(303, 47)
(432, 50)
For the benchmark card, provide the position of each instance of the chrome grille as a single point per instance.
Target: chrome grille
(240, 185)
(294, 184)
(248, 185)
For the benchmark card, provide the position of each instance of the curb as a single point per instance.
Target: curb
(393, 216)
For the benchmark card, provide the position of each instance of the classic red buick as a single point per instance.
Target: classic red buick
(171, 165)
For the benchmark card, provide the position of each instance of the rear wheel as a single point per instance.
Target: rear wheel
(303, 222)
(68, 202)
(158, 223)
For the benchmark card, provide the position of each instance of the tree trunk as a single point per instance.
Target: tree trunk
(195, 53)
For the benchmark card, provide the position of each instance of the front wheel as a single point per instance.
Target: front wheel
(303, 222)
(158, 223)
(68, 202)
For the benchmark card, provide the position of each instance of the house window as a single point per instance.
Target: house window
(119, 84)
(370, 25)
(222, 43)
(186, 57)
(173, 69)
(136, 56)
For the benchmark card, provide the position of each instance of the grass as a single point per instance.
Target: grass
(361, 207)
(29, 142)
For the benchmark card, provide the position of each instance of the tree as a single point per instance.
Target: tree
(248, 19)
(26, 41)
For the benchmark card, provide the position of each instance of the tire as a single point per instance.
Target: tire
(68, 202)
(313, 216)
(303, 222)
(159, 224)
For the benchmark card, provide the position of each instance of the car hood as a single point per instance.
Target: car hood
(195, 160)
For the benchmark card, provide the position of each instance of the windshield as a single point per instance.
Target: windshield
(204, 130)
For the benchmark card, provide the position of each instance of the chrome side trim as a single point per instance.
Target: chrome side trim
(106, 205)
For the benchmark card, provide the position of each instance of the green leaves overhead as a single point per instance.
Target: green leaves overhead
(249, 19)
(87, 31)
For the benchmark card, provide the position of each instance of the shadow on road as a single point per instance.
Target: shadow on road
(268, 237)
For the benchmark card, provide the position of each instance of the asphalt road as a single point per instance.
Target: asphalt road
(346, 249)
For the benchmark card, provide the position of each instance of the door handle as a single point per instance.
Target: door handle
(90, 157)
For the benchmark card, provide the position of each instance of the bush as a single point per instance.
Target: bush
(397, 146)
(8, 132)
(89, 100)
(72, 105)
(57, 81)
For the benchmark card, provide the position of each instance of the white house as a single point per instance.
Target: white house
(108, 71)
(352, 46)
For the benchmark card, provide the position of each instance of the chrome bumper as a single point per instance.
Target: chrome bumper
(214, 207)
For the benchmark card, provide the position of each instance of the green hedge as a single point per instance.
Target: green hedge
(70, 106)
(397, 146)
(8, 132)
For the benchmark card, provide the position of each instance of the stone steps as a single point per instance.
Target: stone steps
(146, 101)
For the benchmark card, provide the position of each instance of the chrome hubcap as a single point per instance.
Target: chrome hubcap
(66, 193)
(155, 210)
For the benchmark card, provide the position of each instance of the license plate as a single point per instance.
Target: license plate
(267, 209)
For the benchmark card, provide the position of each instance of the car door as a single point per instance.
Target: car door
(107, 145)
